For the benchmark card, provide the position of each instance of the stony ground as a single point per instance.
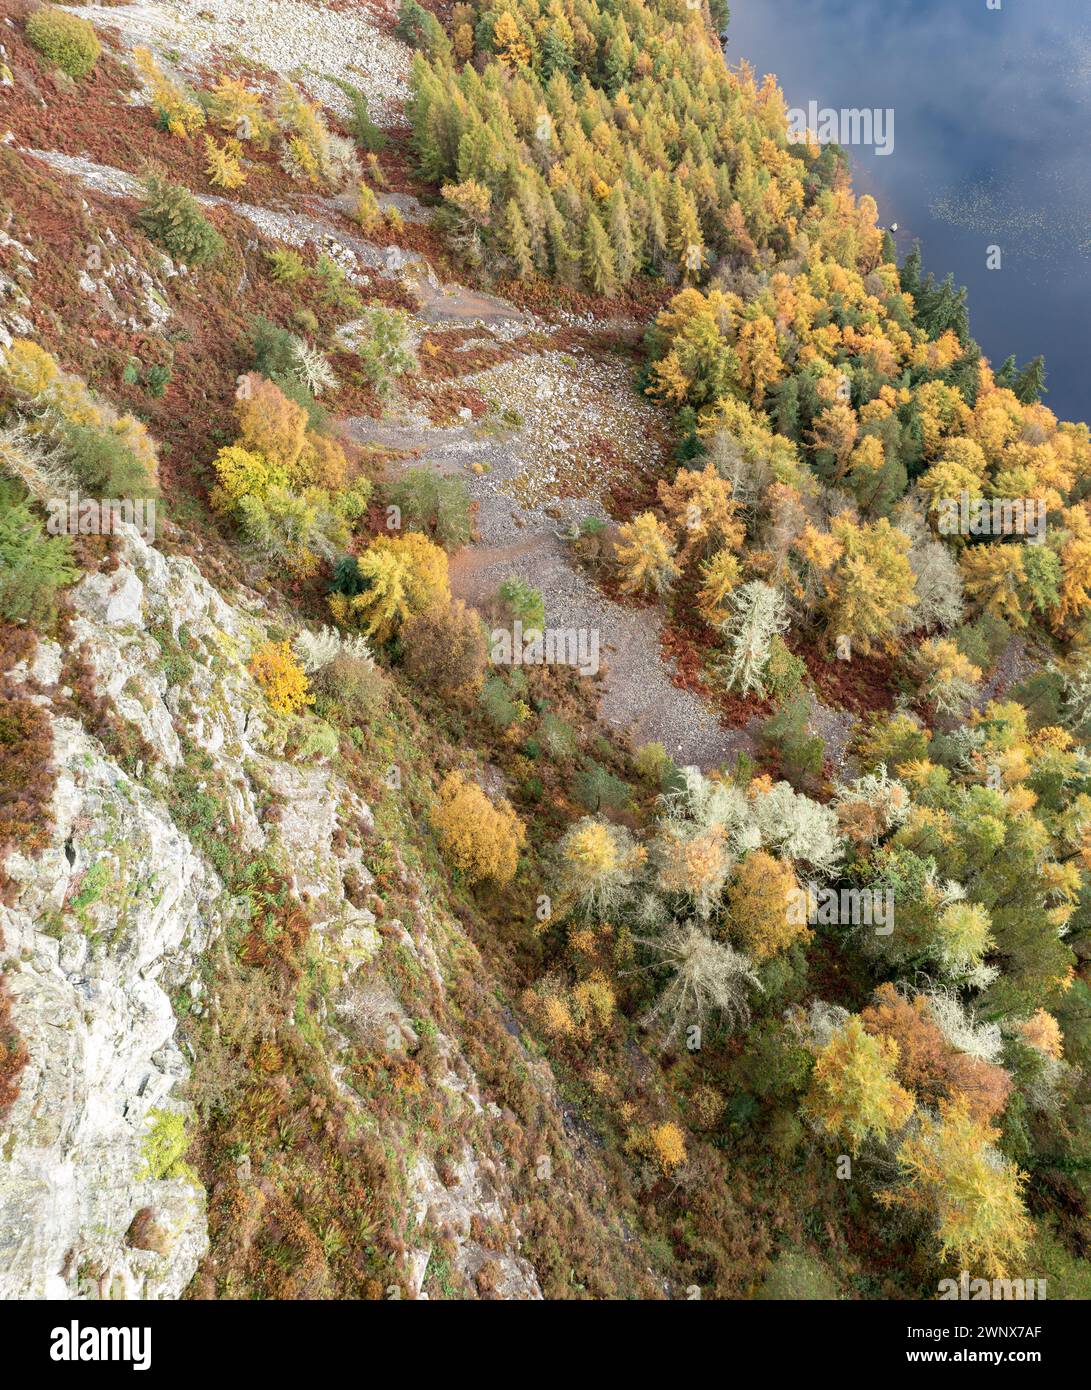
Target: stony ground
(562, 424)
(289, 37)
(535, 465)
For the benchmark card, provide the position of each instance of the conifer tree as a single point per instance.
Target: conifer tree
(1030, 385)
(621, 236)
(597, 262)
(516, 240)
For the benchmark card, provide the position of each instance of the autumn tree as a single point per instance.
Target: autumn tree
(762, 900)
(478, 837)
(598, 864)
(599, 269)
(645, 554)
(871, 591)
(699, 509)
(954, 1175)
(275, 668)
(854, 1095)
(445, 648)
(395, 577)
(719, 578)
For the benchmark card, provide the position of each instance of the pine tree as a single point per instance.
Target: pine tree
(597, 261)
(621, 236)
(556, 54)
(1006, 375)
(1030, 385)
(910, 274)
(516, 240)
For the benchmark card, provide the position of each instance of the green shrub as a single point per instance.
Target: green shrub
(103, 463)
(599, 790)
(154, 379)
(652, 763)
(983, 641)
(558, 737)
(164, 1147)
(525, 603)
(272, 348)
(420, 28)
(33, 566)
(335, 289)
(360, 126)
(65, 40)
(286, 267)
(500, 709)
(784, 673)
(319, 741)
(172, 217)
(436, 505)
(787, 733)
(385, 352)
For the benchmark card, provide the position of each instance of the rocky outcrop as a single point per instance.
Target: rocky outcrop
(107, 924)
(110, 925)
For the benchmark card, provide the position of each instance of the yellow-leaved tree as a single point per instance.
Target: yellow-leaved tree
(719, 579)
(762, 898)
(872, 589)
(480, 838)
(699, 509)
(645, 554)
(281, 677)
(853, 1094)
(955, 1176)
(399, 575)
(598, 863)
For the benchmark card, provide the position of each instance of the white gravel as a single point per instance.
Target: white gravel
(293, 38)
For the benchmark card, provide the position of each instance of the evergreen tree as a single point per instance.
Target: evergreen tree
(910, 274)
(1030, 385)
(621, 236)
(1007, 373)
(556, 54)
(516, 240)
(599, 268)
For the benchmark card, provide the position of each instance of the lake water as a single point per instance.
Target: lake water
(991, 124)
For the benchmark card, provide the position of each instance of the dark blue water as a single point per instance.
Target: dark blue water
(992, 147)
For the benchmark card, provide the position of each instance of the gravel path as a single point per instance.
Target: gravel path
(292, 38)
(562, 403)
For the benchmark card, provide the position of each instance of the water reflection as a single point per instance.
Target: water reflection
(991, 113)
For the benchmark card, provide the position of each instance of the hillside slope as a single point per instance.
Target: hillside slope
(345, 953)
